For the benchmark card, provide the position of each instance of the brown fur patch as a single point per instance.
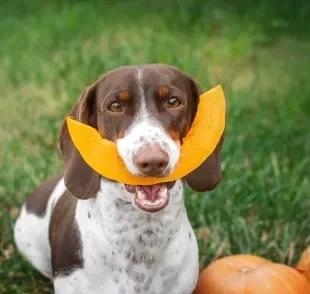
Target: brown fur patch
(64, 235)
(174, 135)
(163, 92)
(36, 202)
(186, 130)
(123, 96)
(101, 132)
(119, 135)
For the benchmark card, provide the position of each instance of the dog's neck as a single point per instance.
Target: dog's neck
(127, 232)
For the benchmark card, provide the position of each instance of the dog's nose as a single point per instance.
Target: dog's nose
(151, 160)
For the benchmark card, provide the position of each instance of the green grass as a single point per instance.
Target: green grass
(260, 55)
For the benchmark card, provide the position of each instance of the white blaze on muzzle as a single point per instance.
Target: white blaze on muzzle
(147, 134)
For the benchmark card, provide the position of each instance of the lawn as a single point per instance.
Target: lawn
(259, 54)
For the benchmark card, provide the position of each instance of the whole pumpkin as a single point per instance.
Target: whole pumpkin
(303, 265)
(250, 274)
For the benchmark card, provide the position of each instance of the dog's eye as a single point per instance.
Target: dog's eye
(115, 107)
(173, 103)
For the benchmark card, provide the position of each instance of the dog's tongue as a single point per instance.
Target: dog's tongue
(150, 192)
(152, 198)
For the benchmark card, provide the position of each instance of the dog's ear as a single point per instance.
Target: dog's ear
(209, 174)
(80, 179)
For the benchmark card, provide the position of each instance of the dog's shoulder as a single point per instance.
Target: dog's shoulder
(64, 235)
(36, 202)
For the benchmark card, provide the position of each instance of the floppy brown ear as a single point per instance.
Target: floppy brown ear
(209, 174)
(80, 179)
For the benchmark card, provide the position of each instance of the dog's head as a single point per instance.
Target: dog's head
(146, 110)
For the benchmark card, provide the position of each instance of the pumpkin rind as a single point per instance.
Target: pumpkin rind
(207, 129)
(250, 274)
(303, 265)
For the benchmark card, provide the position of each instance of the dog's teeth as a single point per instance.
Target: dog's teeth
(152, 203)
(140, 195)
(163, 193)
(161, 197)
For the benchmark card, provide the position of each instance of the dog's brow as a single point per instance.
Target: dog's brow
(163, 91)
(123, 95)
(117, 92)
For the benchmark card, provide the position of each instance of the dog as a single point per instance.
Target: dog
(92, 235)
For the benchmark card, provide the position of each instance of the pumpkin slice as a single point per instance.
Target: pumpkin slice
(205, 133)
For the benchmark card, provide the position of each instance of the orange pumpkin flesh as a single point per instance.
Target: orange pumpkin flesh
(303, 265)
(250, 274)
(207, 128)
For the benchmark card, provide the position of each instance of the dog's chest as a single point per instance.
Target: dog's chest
(133, 252)
(139, 263)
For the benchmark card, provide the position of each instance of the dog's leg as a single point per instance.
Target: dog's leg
(31, 239)
(31, 231)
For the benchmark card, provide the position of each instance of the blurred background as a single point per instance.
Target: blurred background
(259, 53)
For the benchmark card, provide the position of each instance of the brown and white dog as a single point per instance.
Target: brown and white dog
(93, 235)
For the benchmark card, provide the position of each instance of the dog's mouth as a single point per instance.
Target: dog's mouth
(151, 198)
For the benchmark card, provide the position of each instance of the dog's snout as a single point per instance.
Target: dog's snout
(151, 160)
